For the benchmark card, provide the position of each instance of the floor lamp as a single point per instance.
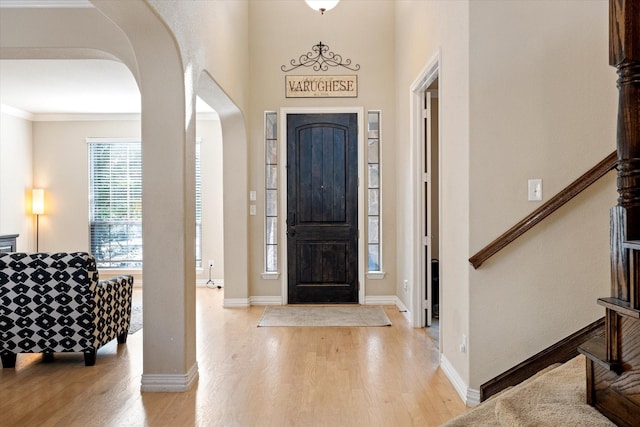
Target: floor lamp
(37, 209)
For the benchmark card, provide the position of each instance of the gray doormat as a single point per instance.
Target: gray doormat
(355, 315)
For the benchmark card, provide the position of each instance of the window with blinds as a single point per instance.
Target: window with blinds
(115, 203)
(198, 206)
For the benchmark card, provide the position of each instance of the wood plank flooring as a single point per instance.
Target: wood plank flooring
(249, 376)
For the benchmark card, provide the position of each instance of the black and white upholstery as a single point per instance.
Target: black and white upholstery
(54, 302)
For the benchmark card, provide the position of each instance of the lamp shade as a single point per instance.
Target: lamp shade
(37, 201)
(322, 5)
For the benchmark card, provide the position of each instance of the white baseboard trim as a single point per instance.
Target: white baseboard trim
(404, 310)
(236, 303)
(380, 300)
(265, 300)
(171, 383)
(469, 396)
(277, 300)
(473, 397)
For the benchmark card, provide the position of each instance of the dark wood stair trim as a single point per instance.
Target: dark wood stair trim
(555, 203)
(596, 350)
(619, 306)
(560, 352)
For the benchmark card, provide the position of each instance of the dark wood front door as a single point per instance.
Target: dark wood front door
(322, 208)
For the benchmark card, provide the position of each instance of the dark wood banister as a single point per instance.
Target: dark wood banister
(557, 201)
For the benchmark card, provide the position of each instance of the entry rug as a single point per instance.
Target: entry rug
(355, 315)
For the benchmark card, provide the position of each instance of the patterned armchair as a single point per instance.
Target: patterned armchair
(54, 302)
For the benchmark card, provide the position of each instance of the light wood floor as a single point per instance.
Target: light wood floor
(249, 376)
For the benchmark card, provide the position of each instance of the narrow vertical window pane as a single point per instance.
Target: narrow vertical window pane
(272, 231)
(271, 126)
(272, 152)
(373, 208)
(374, 175)
(374, 258)
(374, 124)
(272, 177)
(374, 229)
(272, 258)
(373, 152)
(272, 203)
(271, 192)
(374, 192)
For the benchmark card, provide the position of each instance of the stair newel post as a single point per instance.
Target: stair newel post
(624, 55)
(613, 364)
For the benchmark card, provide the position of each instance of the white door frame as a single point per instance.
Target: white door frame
(282, 202)
(421, 266)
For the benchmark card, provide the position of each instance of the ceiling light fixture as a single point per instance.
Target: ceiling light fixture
(322, 5)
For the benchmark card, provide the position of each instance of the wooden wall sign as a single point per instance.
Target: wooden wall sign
(321, 86)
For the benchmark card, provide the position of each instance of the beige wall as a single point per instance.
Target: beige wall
(16, 180)
(519, 99)
(542, 105)
(212, 40)
(425, 30)
(357, 30)
(61, 168)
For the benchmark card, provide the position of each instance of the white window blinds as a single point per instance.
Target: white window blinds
(115, 203)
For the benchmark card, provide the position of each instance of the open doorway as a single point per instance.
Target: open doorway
(431, 216)
(426, 297)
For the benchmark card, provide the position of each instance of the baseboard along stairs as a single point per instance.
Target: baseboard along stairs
(555, 396)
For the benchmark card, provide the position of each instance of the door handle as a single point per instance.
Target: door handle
(291, 220)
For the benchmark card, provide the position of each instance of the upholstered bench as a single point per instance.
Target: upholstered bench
(55, 302)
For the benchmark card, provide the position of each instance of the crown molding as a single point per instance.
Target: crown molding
(84, 117)
(87, 117)
(16, 112)
(33, 4)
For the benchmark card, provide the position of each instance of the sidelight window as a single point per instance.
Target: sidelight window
(271, 192)
(374, 256)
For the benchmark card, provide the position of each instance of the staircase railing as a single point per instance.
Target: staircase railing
(556, 202)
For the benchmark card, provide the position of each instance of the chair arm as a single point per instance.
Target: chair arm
(112, 308)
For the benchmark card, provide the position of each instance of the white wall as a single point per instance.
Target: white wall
(16, 180)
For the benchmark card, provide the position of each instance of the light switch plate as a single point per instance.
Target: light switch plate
(535, 190)
(252, 195)
(252, 209)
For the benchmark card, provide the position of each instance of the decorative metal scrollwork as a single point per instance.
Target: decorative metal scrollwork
(320, 59)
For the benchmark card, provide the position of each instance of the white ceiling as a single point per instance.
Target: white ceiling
(71, 87)
(68, 86)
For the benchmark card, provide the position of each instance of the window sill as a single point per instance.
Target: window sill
(270, 276)
(376, 275)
